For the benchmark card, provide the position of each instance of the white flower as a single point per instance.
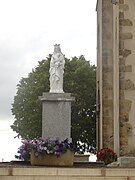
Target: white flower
(45, 148)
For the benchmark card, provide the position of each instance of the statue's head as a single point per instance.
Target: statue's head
(57, 48)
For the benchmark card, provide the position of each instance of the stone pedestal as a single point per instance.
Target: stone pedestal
(126, 161)
(81, 158)
(56, 115)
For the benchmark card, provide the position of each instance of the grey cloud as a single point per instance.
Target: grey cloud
(17, 58)
(11, 68)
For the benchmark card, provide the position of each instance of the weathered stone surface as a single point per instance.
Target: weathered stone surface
(127, 85)
(65, 159)
(64, 173)
(128, 68)
(108, 130)
(122, 61)
(108, 141)
(106, 111)
(124, 117)
(121, 77)
(124, 7)
(107, 94)
(106, 5)
(127, 52)
(107, 69)
(107, 86)
(107, 75)
(108, 35)
(108, 79)
(56, 115)
(114, 164)
(121, 1)
(125, 106)
(123, 141)
(108, 102)
(124, 52)
(81, 157)
(125, 36)
(126, 161)
(124, 68)
(125, 22)
(121, 46)
(124, 150)
(107, 52)
(121, 93)
(121, 35)
(121, 15)
(125, 131)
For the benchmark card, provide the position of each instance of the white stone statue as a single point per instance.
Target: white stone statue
(56, 70)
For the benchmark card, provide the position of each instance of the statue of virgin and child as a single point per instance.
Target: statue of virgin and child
(56, 70)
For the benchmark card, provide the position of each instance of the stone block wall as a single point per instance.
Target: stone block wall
(116, 93)
(107, 75)
(55, 173)
(126, 76)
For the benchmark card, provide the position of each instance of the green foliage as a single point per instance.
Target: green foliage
(79, 79)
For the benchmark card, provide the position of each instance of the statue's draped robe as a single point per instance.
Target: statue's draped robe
(56, 72)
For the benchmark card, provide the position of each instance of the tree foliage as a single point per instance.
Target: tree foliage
(79, 79)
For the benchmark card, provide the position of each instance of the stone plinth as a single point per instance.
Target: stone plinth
(81, 158)
(126, 161)
(56, 115)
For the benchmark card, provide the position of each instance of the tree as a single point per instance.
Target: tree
(79, 79)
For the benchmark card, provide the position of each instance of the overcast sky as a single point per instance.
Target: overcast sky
(28, 31)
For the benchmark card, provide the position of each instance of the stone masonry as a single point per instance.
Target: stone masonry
(116, 76)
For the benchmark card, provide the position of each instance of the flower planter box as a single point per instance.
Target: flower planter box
(65, 159)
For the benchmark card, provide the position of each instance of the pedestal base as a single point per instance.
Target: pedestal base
(126, 161)
(56, 115)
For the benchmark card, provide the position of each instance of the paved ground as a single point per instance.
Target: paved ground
(23, 164)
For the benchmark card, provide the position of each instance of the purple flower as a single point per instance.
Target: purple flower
(23, 152)
(61, 147)
(56, 140)
(49, 140)
(20, 156)
(57, 148)
(39, 150)
(46, 146)
(57, 154)
(51, 152)
(65, 141)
